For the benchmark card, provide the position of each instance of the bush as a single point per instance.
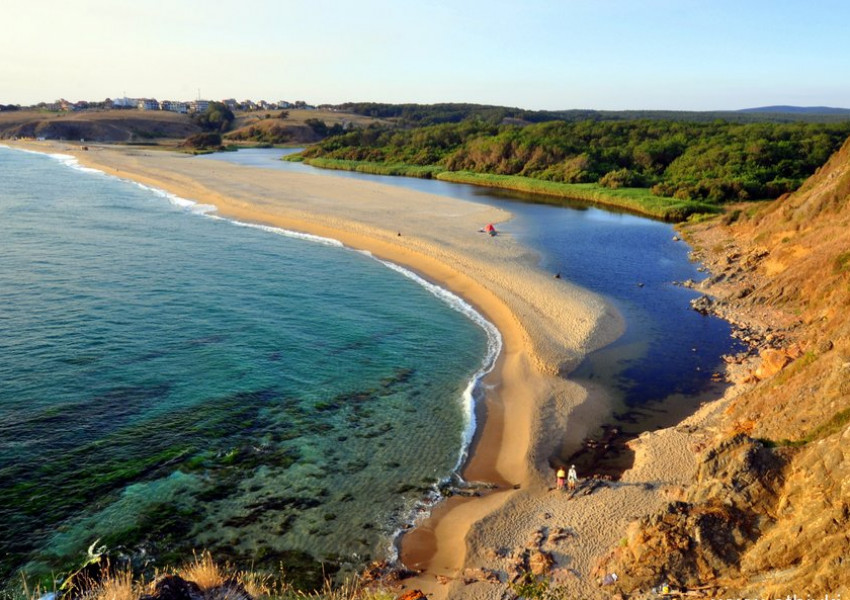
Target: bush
(203, 141)
(621, 178)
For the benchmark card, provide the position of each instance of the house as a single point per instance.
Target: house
(174, 106)
(147, 104)
(199, 106)
(124, 102)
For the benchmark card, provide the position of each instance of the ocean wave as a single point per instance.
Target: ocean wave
(175, 200)
(494, 348)
(73, 163)
(316, 239)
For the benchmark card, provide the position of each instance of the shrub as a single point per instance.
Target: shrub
(203, 141)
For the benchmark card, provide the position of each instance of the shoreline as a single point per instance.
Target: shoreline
(527, 404)
(638, 201)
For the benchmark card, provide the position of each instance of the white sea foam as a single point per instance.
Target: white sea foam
(173, 199)
(494, 348)
(316, 239)
(422, 507)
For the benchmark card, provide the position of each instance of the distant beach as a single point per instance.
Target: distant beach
(548, 326)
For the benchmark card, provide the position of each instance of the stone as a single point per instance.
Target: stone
(480, 574)
(540, 563)
(772, 361)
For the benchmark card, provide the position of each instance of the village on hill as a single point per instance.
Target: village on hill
(152, 104)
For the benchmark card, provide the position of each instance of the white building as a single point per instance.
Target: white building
(174, 106)
(199, 105)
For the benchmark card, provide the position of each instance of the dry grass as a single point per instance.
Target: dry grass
(204, 571)
(118, 586)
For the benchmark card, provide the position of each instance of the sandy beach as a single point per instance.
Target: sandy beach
(531, 410)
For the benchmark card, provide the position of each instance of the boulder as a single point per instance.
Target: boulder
(540, 563)
(772, 361)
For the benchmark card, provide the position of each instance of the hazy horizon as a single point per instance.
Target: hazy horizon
(543, 55)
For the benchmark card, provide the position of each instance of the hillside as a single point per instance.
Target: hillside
(97, 126)
(162, 127)
(798, 110)
(769, 512)
(298, 127)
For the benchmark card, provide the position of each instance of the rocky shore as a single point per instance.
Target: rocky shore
(767, 513)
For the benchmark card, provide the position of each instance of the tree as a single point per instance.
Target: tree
(217, 117)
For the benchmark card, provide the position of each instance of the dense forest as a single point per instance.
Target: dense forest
(708, 161)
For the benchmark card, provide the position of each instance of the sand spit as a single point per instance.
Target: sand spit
(548, 325)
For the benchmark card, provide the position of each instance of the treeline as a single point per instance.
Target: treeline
(418, 115)
(713, 161)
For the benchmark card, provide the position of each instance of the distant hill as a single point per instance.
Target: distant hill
(798, 110)
(418, 115)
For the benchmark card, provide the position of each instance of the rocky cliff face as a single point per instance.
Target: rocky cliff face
(769, 513)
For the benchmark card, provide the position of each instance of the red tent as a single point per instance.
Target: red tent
(490, 229)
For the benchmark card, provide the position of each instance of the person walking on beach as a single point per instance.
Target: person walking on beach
(560, 476)
(572, 478)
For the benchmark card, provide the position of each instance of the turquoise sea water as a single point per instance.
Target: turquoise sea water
(171, 380)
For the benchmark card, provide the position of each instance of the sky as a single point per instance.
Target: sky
(532, 54)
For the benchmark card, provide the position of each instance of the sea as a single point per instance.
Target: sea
(173, 381)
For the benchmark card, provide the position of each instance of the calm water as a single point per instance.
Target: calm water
(173, 381)
(633, 261)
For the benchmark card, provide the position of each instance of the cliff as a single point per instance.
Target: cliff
(769, 512)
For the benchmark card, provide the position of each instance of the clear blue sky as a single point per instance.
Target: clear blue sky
(535, 54)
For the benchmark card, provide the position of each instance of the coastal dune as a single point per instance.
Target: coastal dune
(530, 412)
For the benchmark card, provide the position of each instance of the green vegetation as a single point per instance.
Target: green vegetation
(321, 128)
(217, 117)
(632, 199)
(268, 136)
(373, 168)
(410, 115)
(834, 424)
(203, 142)
(536, 588)
(704, 162)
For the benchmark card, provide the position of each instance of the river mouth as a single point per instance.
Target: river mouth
(669, 357)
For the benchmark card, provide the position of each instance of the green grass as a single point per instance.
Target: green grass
(835, 424)
(637, 200)
(372, 168)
